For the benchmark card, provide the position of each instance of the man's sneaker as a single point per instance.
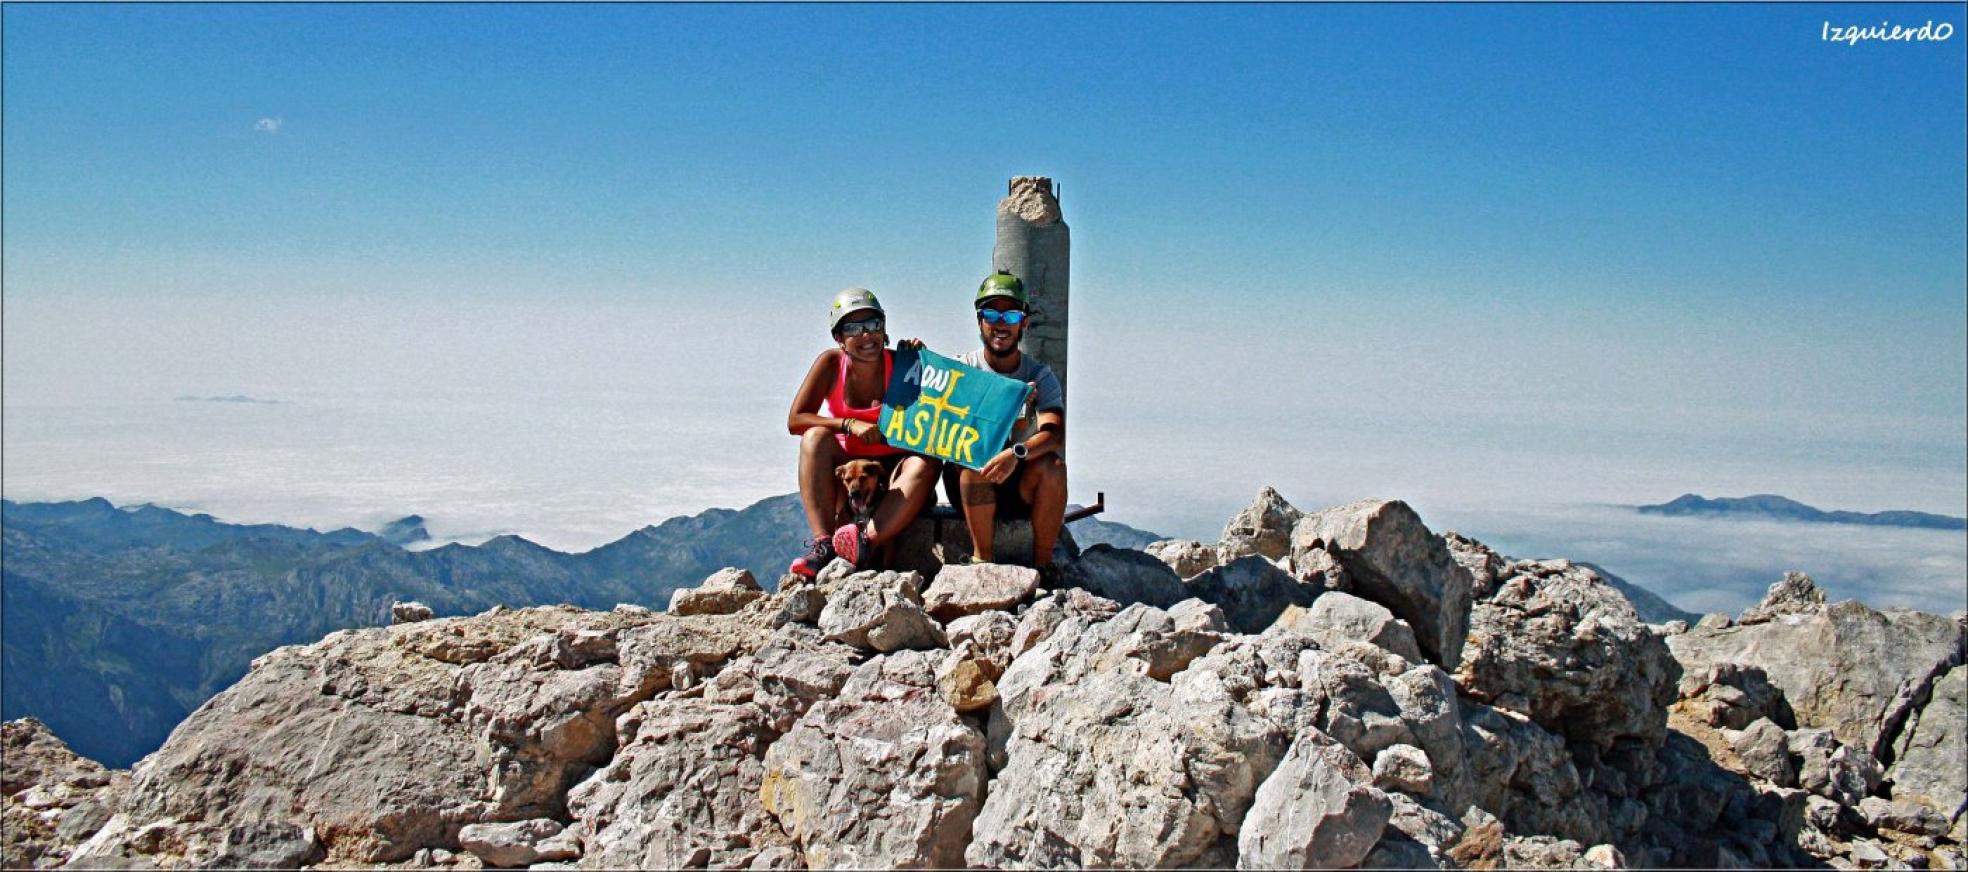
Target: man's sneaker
(818, 554)
(851, 545)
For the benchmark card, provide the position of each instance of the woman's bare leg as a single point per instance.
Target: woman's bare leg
(819, 489)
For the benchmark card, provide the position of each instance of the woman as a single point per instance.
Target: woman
(835, 414)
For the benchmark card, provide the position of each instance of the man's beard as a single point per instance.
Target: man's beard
(995, 354)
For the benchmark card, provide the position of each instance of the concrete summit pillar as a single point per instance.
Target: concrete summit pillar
(1035, 245)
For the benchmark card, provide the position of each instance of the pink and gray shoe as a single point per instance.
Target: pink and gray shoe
(819, 553)
(851, 545)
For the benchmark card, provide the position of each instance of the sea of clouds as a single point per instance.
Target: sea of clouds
(574, 424)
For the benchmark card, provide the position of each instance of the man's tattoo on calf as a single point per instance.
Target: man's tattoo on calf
(979, 493)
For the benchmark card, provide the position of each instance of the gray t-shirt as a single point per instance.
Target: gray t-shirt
(1030, 371)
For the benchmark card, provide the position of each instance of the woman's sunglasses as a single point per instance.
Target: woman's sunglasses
(1008, 316)
(856, 328)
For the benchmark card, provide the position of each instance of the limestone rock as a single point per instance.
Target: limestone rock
(1039, 621)
(268, 845)
(1317, 810)
(724, 592)
(383, 745)
(1336, 616)
(898, 743)
(1733, 695)
(410, 613)
(1764, 750)
(990, 635)
(1833, 769)
(54, 799)
(1927, 765)
(971, 589)
(1263, 528)
(966, 680)
(1904, 817)
(1108, 766)
(1404, 768)
(683, 790)
(517, 843)
(1318, 569)
(1554, 641)
(1126, 577)
(1391, 558)
(1845, 667)
(1794, 594)
(1251, 590)
(1187, 557)
(880, 611)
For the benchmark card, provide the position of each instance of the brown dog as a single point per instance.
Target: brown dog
(862, 485)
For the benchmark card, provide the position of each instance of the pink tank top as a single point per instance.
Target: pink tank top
(836, 406)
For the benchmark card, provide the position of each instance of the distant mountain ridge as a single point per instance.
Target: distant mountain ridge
(115, 623)
(1780, 508)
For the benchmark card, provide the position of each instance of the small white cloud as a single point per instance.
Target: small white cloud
(267, 125)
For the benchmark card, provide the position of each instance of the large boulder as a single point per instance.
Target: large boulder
(880, 611)
(1390, 557)
(1141, 740)
(1554, 641)
(387, 741)
(54, 799)
(1126, 577)
(682, 791)
(971, 589)
(1118, 753)
(1927, 765)
(1263, 528)
(1252, 591)
(724, 592)
(1318, 810)
(1336, 617)
(1187, 557)
(518, 843)
(887, 776)
(1845, 667)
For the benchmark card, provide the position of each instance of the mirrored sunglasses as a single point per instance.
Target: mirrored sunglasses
(1008, 316)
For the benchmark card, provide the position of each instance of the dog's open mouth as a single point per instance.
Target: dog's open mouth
(858, 502)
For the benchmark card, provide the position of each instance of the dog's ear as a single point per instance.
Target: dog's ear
(844, 472)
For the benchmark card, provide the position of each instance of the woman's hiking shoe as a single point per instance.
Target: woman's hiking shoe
(819, 553)
(850, 545)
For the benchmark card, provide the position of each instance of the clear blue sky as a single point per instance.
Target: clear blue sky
(1641, 212)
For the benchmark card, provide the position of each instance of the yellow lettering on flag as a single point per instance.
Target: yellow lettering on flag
(964, 442)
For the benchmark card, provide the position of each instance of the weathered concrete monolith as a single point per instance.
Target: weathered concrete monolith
(1035, 245)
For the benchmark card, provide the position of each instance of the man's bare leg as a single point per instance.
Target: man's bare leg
(980, 508)
(819, 495)
(914, 486)
(1043, 485)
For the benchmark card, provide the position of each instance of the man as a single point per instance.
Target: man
(1028, 476)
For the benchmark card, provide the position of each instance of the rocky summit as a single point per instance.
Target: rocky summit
(1319, 689)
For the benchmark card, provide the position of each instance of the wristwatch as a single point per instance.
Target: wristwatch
(1019, 450)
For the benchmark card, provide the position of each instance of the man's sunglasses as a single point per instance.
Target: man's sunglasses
(856, 328)
(1008, 316)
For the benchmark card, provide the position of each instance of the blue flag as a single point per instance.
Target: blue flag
(945, 409)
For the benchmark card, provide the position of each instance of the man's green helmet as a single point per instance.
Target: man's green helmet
(1002, 284)
(850, 301)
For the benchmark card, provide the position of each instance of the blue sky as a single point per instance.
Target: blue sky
(1698, 236)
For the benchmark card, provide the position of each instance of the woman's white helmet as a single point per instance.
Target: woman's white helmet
(850, 301)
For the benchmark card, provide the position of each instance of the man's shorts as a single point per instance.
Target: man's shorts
(1011, 506)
